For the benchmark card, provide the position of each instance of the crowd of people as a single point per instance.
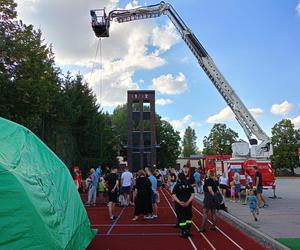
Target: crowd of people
(141, 190)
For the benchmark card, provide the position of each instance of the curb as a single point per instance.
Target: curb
(265, 240)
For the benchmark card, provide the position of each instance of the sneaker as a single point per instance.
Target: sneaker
(201, 230)
(87, 204)
(213, 228)
(150, 217)
(188, 232)
(184, 235)
(265, 205)
(94, 204)
(113, 218)
(255, 219)
(155, 216)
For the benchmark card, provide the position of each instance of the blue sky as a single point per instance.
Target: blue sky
(255, 44)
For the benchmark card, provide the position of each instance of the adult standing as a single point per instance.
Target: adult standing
(223, 181)
(259, 188)
(92, 195)
(153, 181)
(143, 204)
(237, 183)
(112, 186)
(126, 184)
(173, 179)
(209, 203)
(190, 178)
(160, 182)
(197, 177)
(183, 195)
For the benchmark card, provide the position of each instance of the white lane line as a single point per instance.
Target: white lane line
(209, 243)
(133, 225)
(190, 240)
(115, 222)
(142, 234)
(221, 231)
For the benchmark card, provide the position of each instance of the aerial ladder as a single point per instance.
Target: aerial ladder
(263, 150)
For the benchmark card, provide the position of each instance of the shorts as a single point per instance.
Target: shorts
(259, 189)
(113, 197)
(125, 190)
(237, 188)
(253, 209)
(153, 197)
(223, 186)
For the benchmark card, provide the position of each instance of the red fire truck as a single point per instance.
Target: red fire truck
(229, 165)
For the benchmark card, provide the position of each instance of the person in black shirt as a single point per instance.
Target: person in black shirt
(209, 203)
(143, 195)
(190, 178)
(259, 188)
(183, 195)
(112, 186)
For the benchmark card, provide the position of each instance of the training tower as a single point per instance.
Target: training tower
(141, 148)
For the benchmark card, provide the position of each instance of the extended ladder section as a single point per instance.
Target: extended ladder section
(242, 114)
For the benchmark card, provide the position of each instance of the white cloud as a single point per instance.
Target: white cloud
(74, 43)
(184, 59)
(283, 108)
(256, 111)
(296, 121)
(181, 124)
(163, 102)
(226, 114)
(170, 85)
(298, 8)
(164, 37)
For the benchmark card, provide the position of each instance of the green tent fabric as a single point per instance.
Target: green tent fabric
(40, 207)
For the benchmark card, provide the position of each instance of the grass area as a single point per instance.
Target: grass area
(292, 243)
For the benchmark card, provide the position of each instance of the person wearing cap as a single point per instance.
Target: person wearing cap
(183, 195)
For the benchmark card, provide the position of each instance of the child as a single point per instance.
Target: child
(252, 201)
(183, 195)
(232, 191)
(101, 189)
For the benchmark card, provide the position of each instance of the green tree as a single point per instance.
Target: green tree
(84, 134)
(61, 110)
(168, 140)
(119, 121)
(28, 78)
(285, 141)
(189, 142)
(219, 140)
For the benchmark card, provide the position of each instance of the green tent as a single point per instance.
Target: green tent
(40, 207)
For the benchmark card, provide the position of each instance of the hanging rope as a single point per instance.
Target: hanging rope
(98, 89)
(93, 67)
(101, 72)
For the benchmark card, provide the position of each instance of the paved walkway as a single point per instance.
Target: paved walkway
(282, 218)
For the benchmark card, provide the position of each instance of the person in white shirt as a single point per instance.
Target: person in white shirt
(223, 181)
(126, 184)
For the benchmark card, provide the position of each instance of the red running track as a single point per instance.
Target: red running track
(125, 234)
